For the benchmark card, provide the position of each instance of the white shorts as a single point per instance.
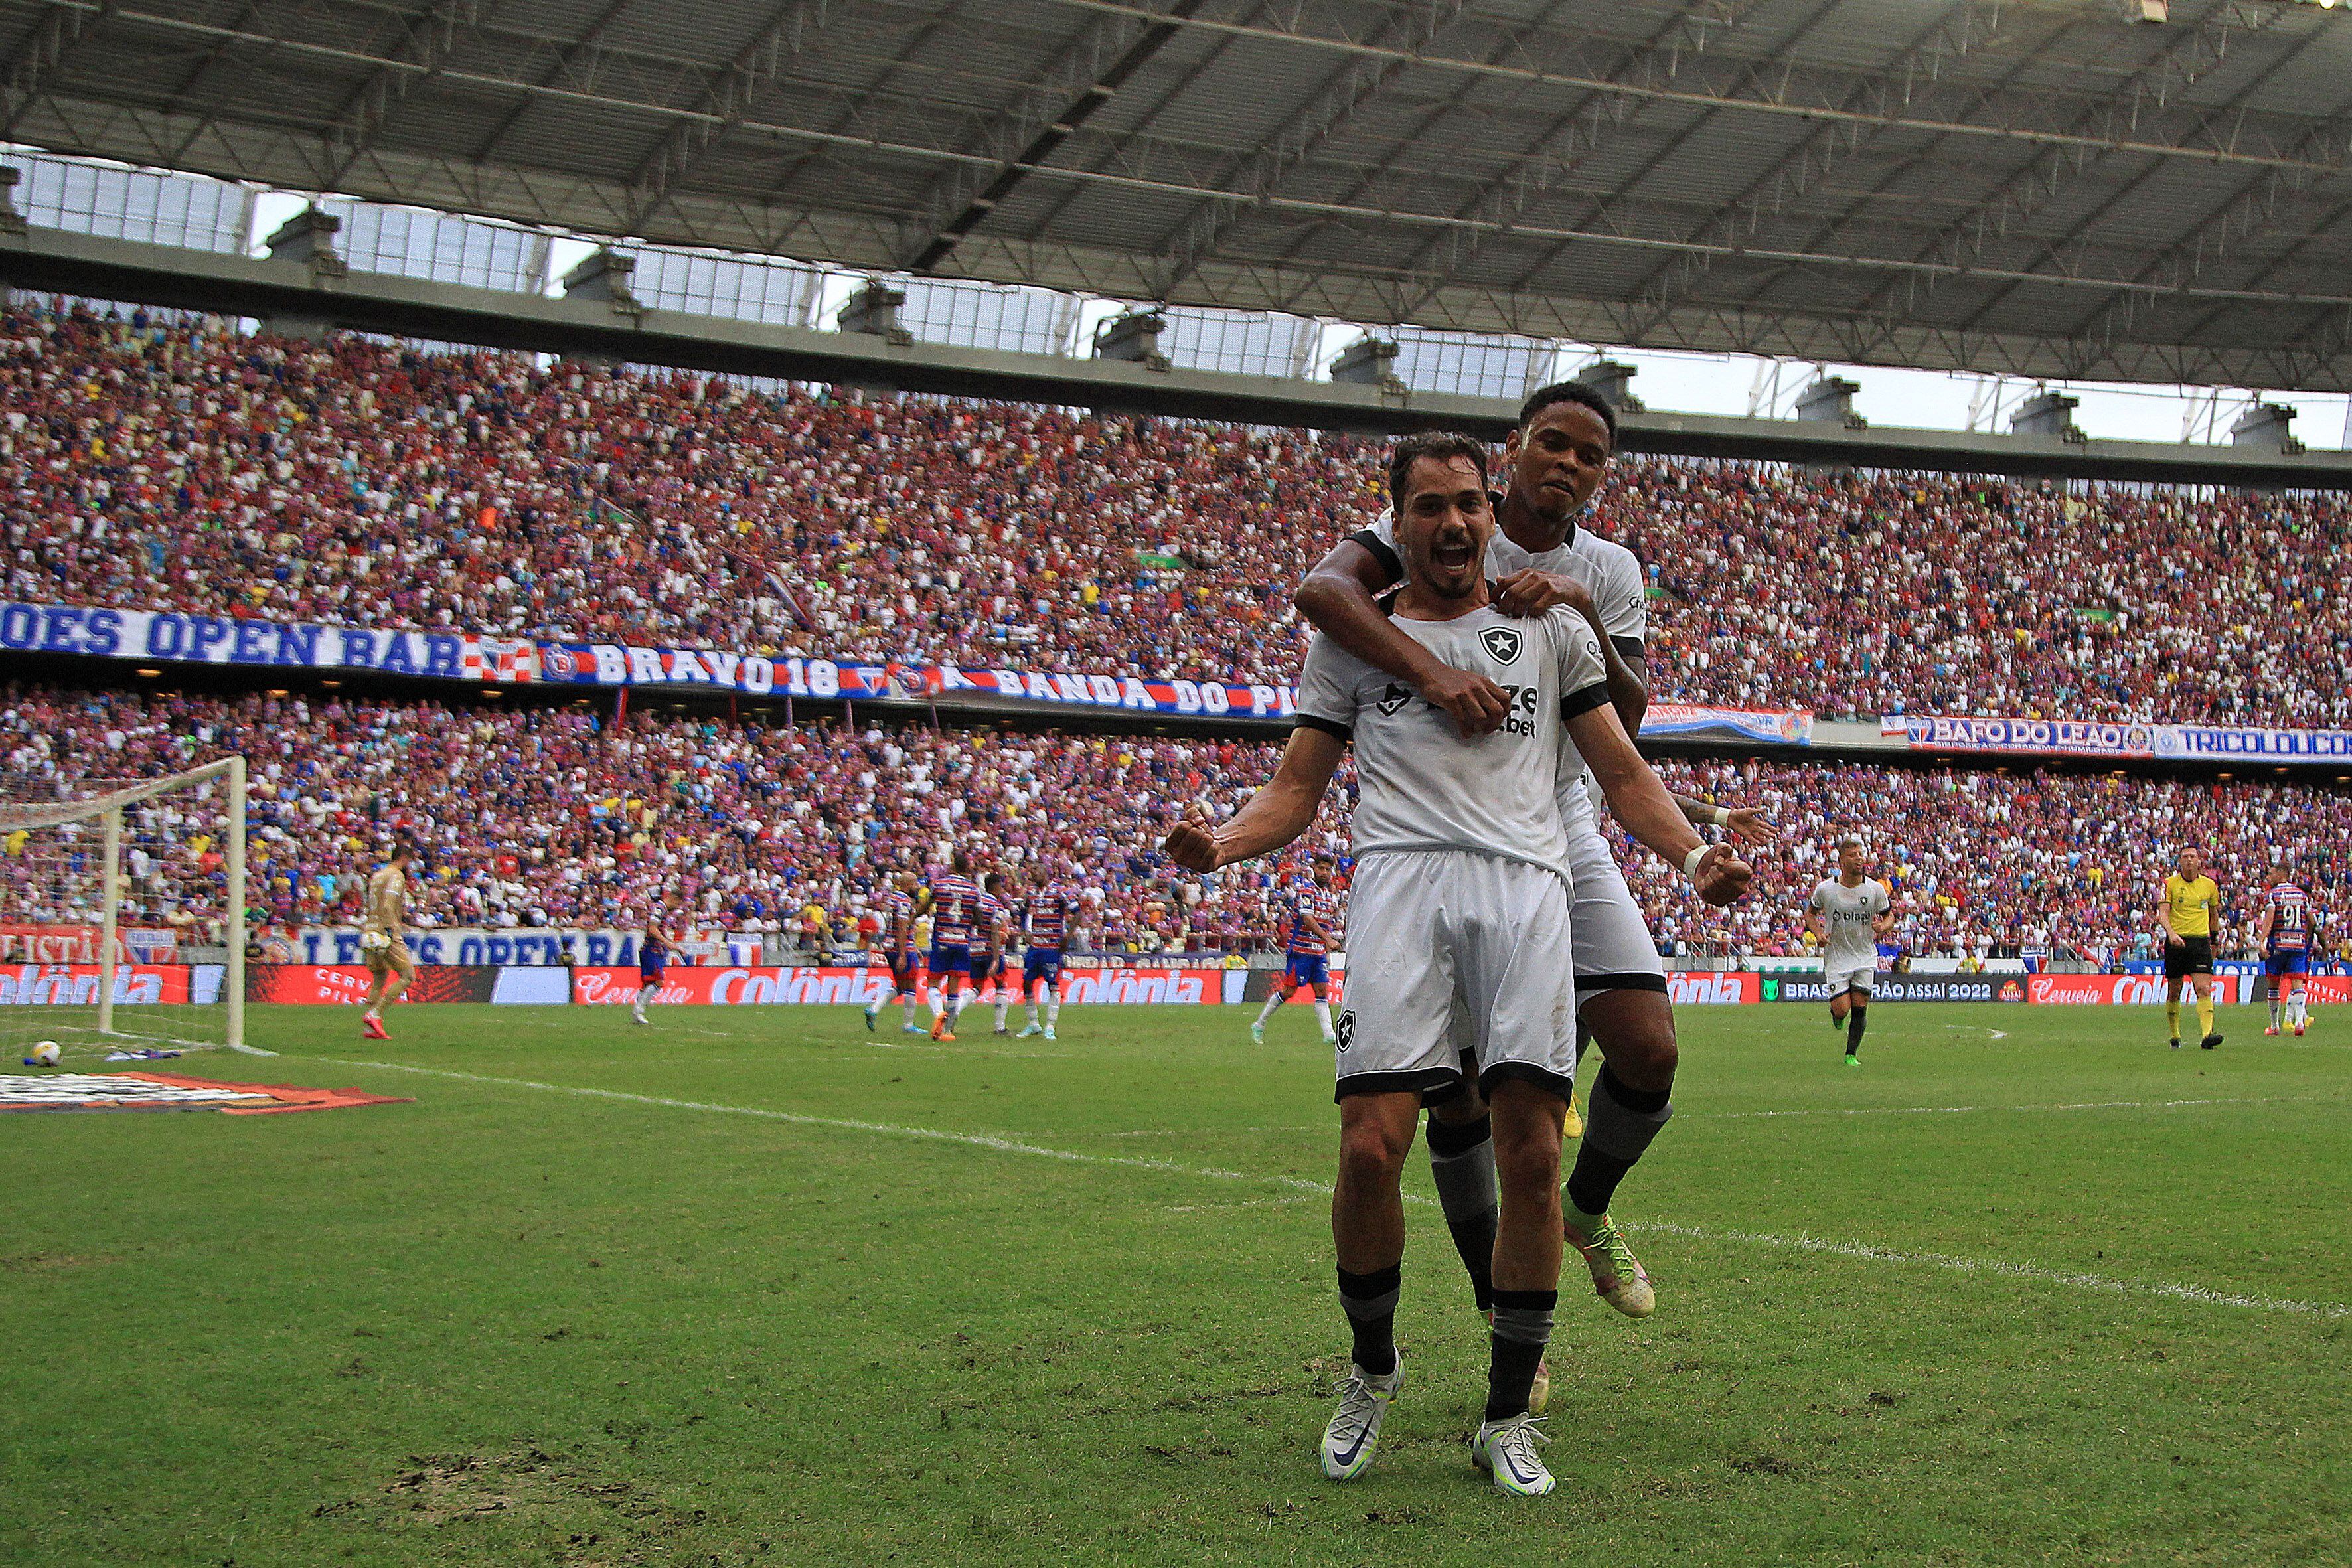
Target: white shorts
(1430, 930)
(1609, 941)
(1848, 977)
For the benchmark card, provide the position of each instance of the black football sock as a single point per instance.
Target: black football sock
(1522, 1327)
(1371, 1302)
(1619, 1124)
(1855, 1023)
(1462, 1161)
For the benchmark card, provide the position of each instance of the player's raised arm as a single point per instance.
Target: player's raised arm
(1282, 809)
(1639, 802)
(1337, 596)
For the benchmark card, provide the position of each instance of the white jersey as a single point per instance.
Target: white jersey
(1609, 572)
(1419, 785)
(1852, 944)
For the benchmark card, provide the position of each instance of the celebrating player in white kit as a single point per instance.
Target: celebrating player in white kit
(1460, 905)
(1540, 558)
(1847, 914)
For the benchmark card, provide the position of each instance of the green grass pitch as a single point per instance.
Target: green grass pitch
(755, 1286)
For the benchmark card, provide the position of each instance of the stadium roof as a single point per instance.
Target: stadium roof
(2048, 188)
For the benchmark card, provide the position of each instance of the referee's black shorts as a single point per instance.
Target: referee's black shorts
(2193, 956)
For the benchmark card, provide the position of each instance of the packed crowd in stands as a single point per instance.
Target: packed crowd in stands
(552, 816)
(155, 464)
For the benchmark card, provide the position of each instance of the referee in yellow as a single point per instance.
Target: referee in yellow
(2191, 908)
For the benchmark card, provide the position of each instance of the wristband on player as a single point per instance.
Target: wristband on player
(1691, 861)
(1720, 816)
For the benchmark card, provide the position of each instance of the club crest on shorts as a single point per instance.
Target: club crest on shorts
(1345, 1029)
(1503, 642)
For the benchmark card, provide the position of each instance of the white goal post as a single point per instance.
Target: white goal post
(152, 886)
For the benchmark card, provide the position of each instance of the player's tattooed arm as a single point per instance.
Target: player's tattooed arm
(1747, 824)
(1638, 800)
(1282, 809)
(1337, 596)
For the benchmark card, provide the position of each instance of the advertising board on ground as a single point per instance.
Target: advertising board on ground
(332, 984)
(831, 985)
(76, 985)
(1905, 988)
(2121, 990)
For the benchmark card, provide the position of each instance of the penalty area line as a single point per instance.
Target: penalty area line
(1860, 1251)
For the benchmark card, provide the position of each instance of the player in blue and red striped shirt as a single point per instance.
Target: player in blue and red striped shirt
(1312, 929)
(2286, 952)
(1047, 920)
(957, 916)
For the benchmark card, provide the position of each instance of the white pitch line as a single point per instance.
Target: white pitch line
(800, 1118)
(1971, 1109)
(2196, 1294)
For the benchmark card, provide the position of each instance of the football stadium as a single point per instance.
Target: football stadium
(861, 781)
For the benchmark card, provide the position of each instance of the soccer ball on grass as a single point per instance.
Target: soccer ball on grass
(45, 1054)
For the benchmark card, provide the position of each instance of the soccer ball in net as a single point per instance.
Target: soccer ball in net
(46, 1054)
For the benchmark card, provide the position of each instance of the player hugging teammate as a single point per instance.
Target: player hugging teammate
(1461, 992)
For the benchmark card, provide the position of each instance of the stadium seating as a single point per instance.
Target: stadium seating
(548, 817)
(178, 465)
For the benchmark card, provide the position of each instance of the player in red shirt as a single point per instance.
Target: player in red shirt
(895, 908)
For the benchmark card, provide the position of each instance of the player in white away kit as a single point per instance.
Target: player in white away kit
(1540, 558)
(1460, 902)
(1848, 914)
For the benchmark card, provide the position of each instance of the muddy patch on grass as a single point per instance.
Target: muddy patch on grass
(43, 1262)
(590, 1516)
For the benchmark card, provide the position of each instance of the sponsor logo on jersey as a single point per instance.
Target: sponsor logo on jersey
(1393, 700)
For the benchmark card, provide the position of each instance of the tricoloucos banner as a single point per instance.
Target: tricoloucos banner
(2086, 738)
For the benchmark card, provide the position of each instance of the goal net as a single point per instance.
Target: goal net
(123, 912)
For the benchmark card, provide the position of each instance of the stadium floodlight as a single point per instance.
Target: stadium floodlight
(122, 911)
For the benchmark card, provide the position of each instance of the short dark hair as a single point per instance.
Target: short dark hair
(1444, 446)
(400, 848)
(1576, 391)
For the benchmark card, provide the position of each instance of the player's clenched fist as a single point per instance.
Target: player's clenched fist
(1192, 844)
(1530, 592)
(1722, 876)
